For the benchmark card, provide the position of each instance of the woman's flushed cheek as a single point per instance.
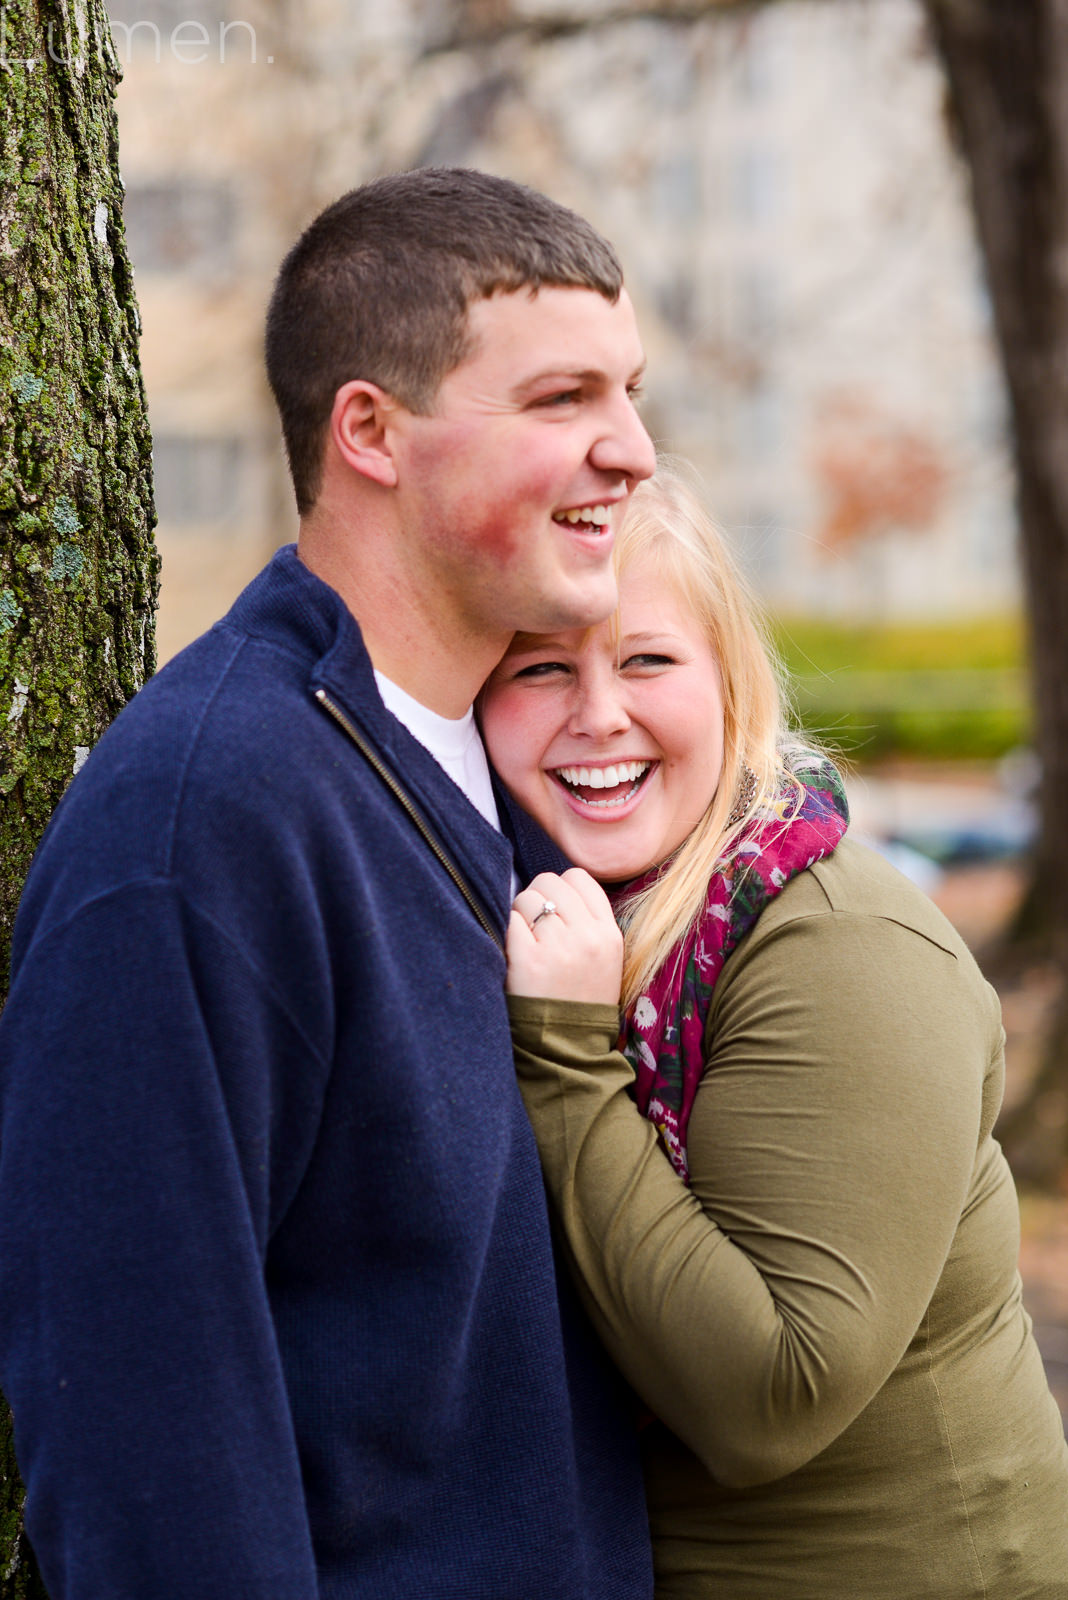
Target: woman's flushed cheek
(518, 733)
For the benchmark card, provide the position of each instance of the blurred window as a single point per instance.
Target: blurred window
(756, 63)
(672, 70)
(757, 542)
(675, 299)
(145, 27)
(756, 301)
(756, 185)
(198, 479)
(758, 422)
(675, 187)
(180, 225)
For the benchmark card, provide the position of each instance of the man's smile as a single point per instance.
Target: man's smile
(596, 514)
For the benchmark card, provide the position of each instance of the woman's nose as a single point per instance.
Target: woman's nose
(599, 710)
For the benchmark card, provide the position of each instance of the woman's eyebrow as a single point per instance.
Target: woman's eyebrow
(661, 635)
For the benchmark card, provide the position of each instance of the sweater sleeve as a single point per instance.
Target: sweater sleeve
(139, 1063)
(831, 1148)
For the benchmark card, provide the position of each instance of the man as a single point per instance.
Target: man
(278, 1313)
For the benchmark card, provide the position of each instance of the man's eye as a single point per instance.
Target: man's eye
(636, 391)
(563, 397)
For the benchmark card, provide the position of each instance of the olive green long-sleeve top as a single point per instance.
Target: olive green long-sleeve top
(827, 1324)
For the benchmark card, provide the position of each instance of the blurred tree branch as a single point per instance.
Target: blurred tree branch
(1007, 76)
(465, 24)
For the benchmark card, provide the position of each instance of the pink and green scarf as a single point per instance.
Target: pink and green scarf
(663, 1031)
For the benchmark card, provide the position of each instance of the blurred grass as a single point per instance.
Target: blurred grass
(941, 691)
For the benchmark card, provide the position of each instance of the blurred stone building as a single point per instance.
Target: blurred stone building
(779, 183)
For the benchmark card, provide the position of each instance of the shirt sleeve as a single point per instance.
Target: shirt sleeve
(831, 1148)
(137, 1348)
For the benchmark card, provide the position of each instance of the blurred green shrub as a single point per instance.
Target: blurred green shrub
(937, 691)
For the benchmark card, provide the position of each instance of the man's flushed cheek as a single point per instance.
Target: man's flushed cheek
(494, 525)
(498, 535)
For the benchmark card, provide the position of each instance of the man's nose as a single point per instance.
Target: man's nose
(625, 446)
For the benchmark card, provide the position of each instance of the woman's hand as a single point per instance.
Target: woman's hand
(573, 951)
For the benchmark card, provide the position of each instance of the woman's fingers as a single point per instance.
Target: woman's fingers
(563, 942)
(572, 896)
(590, 893)
(536, 908)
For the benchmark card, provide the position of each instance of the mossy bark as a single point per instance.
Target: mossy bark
(77, 564)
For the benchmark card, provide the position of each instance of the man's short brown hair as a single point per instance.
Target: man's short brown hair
(379, 285)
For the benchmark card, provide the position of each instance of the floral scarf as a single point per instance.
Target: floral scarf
(663, 1031)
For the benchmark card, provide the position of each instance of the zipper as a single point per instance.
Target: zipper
(374, 760)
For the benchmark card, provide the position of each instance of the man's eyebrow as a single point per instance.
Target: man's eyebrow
(566, 376)
(569, 376)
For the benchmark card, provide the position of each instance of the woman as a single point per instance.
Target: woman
(803, 1254)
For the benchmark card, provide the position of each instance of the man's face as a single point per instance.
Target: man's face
(508, 491)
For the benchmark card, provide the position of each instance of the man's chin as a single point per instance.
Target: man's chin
(588, 604)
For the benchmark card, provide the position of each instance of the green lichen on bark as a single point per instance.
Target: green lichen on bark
(19, 1578)
(78, 570)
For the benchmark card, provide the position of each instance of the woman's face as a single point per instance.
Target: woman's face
(613, 743)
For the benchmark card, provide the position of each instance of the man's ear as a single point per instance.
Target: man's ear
(359, 428)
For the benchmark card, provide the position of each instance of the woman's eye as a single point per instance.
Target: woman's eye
(648, 660)
(540, 669)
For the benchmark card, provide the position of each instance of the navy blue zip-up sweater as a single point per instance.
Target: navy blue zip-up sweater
(279, 1318)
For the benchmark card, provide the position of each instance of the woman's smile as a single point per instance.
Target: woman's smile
(603, 788)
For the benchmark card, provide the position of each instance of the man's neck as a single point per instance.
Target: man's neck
(405, 635)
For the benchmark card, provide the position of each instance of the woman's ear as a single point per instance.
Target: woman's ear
(359, 428)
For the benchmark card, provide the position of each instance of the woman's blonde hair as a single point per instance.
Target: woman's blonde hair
(666, 524)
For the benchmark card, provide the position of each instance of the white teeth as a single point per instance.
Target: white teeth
(603, 777)
(595, 514)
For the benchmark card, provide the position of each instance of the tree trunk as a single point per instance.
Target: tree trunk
(77, 565)
(1007, 69)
